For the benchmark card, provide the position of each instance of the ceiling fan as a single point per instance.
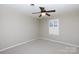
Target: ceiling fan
(43, 12)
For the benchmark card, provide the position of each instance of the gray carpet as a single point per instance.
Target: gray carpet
(41, 47)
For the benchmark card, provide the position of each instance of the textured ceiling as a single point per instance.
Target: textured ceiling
(60, 8)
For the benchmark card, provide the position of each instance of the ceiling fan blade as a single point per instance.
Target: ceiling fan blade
(51, 11)
(47, 14)
(40, 15)
(42, 9)
(36, 12)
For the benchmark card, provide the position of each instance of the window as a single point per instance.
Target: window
(54, 26)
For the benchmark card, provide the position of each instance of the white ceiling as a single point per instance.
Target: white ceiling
(60, 8)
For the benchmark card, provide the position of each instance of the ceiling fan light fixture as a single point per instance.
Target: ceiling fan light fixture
(43, 14)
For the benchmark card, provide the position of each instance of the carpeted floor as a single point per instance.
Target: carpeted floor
(41, 47)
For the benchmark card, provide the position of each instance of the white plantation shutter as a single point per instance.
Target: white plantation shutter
(54, 26)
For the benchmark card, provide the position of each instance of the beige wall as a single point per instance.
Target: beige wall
(16, 27)
(68, 28)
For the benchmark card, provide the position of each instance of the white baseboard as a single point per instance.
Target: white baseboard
(18, 44)
(69, 44)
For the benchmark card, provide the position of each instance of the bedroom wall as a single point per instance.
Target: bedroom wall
(68, 28)
(16, 27)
